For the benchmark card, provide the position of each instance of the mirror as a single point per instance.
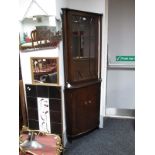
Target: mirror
(39, 32)
(45, 70)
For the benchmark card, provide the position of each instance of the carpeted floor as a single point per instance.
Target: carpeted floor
(116, 138)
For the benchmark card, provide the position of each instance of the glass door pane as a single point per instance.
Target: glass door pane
(93, 47)
(84, 43)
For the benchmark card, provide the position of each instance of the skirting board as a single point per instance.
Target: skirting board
(120, 113)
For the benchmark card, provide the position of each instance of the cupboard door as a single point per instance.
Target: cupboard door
(82, 109)
(84, 46)
(81, 31)
(94, 105)
(87, 105)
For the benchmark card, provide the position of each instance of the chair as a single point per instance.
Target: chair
(34, 37)
(40, 37)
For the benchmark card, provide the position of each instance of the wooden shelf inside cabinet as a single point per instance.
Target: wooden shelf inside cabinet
(82, 56)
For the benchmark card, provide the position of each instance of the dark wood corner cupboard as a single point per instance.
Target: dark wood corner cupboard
(82, 66)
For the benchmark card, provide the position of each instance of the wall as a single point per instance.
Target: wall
(104, 64)
(60, 4)
(96, 6)
(120, 89)
(52, 7)
(121, 33)
(26, 72)
(121, 29)
(28, 9)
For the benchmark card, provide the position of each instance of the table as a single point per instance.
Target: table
(51, 142)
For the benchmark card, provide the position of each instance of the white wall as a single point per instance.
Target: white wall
(121, 29)
(52, 7)
(121, 40)
(26, 72)
(60, 4)
(104, 64)
(49, 6)
(120, 89)
(96, 6)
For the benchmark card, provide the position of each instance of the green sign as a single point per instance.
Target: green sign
(125, 58)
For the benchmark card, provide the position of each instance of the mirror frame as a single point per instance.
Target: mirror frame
(44, 75)
(35, 35)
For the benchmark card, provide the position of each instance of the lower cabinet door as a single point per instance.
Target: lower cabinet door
(82, 109)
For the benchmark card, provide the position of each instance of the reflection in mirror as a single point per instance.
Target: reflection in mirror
(44, 70)
(40, 31)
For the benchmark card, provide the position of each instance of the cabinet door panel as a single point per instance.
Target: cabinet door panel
(82, 109)
(82, 45)
(94, 105)
(84, 49)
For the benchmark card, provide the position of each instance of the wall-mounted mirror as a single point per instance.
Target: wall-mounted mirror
(45, 70)
(38, 32)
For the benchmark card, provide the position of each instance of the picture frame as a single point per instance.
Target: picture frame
(45, 70)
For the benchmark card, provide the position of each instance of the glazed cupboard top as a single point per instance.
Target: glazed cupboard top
(81, 36)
